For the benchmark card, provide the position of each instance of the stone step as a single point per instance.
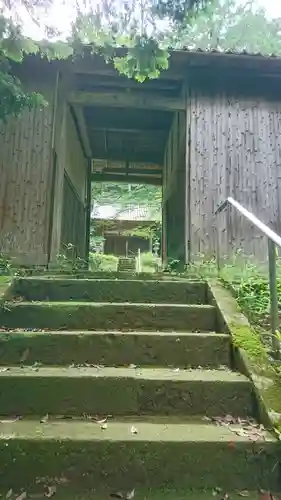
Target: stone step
(162, 454)
(126, 264)
(75, 490)
(123, 391)
(181, 292)
(108, 316)
(115, 348)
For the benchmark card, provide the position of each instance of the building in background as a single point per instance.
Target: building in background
(122, 231)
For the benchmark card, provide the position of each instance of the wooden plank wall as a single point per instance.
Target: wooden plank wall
(174, 189)
(25, 144)
(73, 221)
(70, 184)
(173, 152)
(73, 197)
(235, 151)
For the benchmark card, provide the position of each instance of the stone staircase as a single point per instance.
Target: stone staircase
(125, 385)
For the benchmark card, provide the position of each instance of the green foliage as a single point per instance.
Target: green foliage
(150, 263)
(5, 265)
(132, 26)
(102, 262)
(248, 281)
(204, 24)
(128, 195)
(143, 61)
(13, 47)
(108, 263)
(230, 25)
(178, 10)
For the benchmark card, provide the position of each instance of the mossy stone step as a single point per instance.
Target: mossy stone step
(75, 490)
(115, 348)
(126, 264)
(108, 316)
(160, 455)
(119, 391)
(181, 292)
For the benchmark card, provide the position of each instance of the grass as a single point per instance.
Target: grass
(248, 281)
(108, 263)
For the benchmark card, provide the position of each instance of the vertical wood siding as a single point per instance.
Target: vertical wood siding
(174, 189)
(73, 221)
(25, 146)
(235, 151)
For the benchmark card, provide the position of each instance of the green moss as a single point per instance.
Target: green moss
(4, 284)
(244, 337)
(104, 316)
(123, 391)
(115, 349)
(118, 465)
(182, 292)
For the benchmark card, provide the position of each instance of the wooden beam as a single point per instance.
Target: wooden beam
(88, 83)
(78, 110)
(158, 133)
(130, 171)
(126, 100)
(130, 179)
(95, 65)
(113, 166)
(141, 156)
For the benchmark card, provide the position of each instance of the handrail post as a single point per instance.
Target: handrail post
(274, 314)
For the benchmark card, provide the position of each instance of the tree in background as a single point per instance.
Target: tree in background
(134, 25)
(228, 25)
(14, 46)
(124, 195)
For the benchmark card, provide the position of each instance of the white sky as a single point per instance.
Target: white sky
(273, 7)
(62, 14)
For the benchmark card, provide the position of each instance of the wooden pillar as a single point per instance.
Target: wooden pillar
(164, 232)
(187, 151)
(88, 213)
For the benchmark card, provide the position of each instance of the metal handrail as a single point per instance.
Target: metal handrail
(273, 239)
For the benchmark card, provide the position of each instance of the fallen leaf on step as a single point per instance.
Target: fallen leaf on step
(231, 444)
(61, 480)
(9, 420)
(104, 426)
(225, 496)
(9, 494)
(101, 421)
(134, 430)
(117, 495)
(132, 366)
(4, 369)
(25, 355)
(175, 370)
(130, 495)
(22, 496)
(244, 493)
(45, 419)
(51, 490)
(241, 432)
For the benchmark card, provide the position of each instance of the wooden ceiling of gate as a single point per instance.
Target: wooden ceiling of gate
(124, 123)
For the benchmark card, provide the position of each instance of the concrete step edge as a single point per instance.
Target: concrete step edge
(193, 375)
(128, 430)
(95, 333)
